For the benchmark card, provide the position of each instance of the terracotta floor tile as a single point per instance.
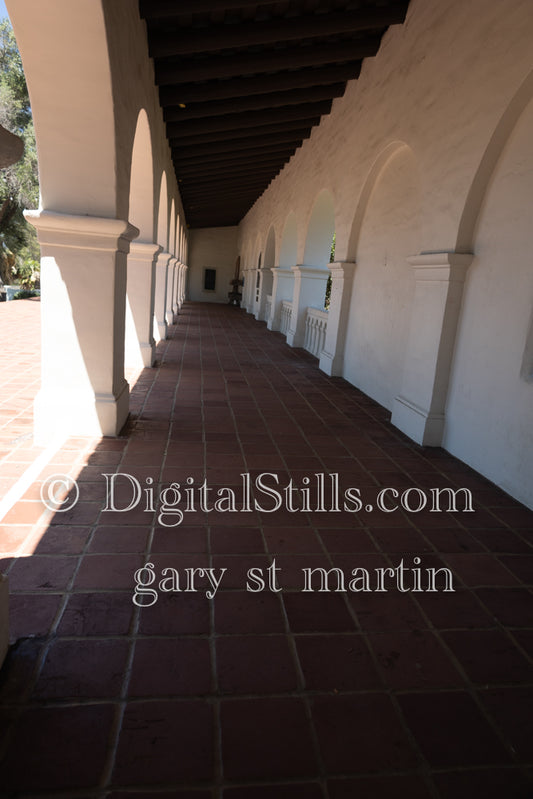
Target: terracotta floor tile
(245, 612)
(318, 612)
(413, 659)
(176, 614)
(255, 745)
(170, 667)
(397, 787)
(491, 783)
(431, 716)
(165, 742)
(336, 663)
(92, 614)
(361, 734)
(488, 656)
(255, 664)
(511, 707)
(305, 790)
(45, 747)
(91, 669)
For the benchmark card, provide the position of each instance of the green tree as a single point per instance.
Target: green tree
(19, 183)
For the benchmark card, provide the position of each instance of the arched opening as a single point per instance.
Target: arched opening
(311, 277)
(139, 343)
(266, 278)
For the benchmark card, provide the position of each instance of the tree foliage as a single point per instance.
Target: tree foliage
(19, 183)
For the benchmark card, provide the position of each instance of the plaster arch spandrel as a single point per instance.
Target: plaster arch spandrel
(489, 412)
(480, 184)
(362, 204)
(319, 229)
(385, 232)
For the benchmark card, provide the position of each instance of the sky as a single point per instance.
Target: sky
(3, 10)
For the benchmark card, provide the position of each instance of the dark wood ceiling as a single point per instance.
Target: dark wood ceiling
(243, 82)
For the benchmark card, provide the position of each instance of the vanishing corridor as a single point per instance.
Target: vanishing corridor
(271, 694)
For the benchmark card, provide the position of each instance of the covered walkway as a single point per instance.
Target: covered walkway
(383, 689)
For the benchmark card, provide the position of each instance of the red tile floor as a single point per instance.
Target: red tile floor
(271, 694)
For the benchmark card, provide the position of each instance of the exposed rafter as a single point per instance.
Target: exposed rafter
(244, 82)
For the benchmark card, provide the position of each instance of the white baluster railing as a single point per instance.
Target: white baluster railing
(316, 324)
(286, 312)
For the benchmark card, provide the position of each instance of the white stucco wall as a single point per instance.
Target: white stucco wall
(212, 248)
(489, 418)
(383, 282)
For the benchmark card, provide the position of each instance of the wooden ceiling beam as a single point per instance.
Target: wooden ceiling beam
(236, 105)
(248, 119)
(224, 191)
(234, 155)
(227, 183)
(217, 37)
(231, 167)
(153, 10)
(265, 84)
(289, 130)
(187, 70)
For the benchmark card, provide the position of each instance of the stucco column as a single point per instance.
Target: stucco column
(140, 344)
(249, 287)
(309, 292)
(160, 304)
(83, 304)
(332, 356)
(181, 281)
(183, 291)
(439, 281)
(282, 289)
(169, 312)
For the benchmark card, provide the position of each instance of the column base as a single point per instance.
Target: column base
(4, 617)
(294, 339)
(147, 353)
(328, 364)
(160, 331)
(79, 413)
(422, 427)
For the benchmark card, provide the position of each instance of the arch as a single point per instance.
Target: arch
(270, 248)
(65, 55)
(375, 171)
(265, 277)
(288, 253)
(489, 412)
(162, 214)
(320, 230)
(141, 199)
(386, 231)
(488, 164)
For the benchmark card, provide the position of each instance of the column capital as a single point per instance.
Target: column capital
(450, 266)
(144, 250)
(82, 232)
(341, 269)
(163, 257)
(310, 271)
(282, 271)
